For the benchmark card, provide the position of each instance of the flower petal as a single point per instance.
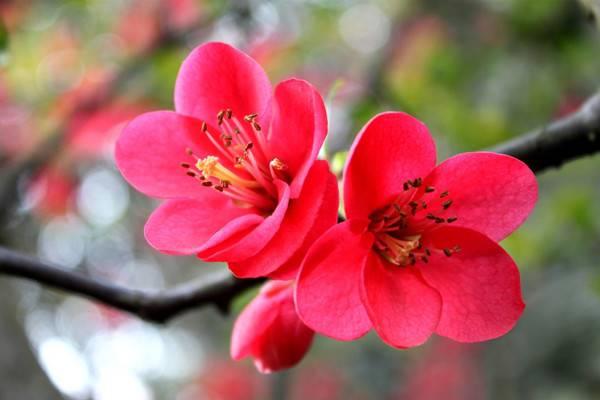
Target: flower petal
(216, 76)
(269, 330)
(403, 308)
(480, 285)
(328, 289)
(298, 128)
(252, 242)
(325, 219)
(491, 193)
(151, 148)
(296, 225)
(187, 226)
(254, 320)
(392, 148)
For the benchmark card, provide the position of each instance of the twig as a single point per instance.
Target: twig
(218, 289)
(568, 138)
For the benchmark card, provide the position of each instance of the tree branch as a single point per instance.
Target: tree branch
(571, 137)
(218, 289)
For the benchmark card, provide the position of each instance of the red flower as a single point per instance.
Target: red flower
(270, 331)
(418, 253)
(250, 192)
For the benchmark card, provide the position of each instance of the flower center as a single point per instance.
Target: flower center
(399, 227)
(242, 170)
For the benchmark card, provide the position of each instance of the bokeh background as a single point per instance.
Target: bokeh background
(478, 72)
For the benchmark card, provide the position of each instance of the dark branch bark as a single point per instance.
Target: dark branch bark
(571, 137)
(218, 289)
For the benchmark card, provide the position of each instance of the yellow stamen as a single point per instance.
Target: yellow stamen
(211, 167)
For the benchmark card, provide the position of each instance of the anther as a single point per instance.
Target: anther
(425, 259)
(204, 127)
(423, 204)
(451, 219)
(405, 186)
(225, 184)
(185, 165)
(228, 113)
(207, 183)
(256, 126)
(444, 194)
(279, 169)
(191, 173)
(447, 252)
(220, 116)
(413, 204)
(226, 140)
(446, 204)
(250, 117)
(429, 189)
(412, 258)
(439, 220)
(218, 188)
(428, 252)
(276, 163)
(189, 151)
(431, 216)
(417, 182)
(249, 145)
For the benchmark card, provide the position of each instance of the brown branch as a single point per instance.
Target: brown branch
(218, 289)
(568, 138)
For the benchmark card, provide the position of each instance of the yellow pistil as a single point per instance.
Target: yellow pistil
(211, 167)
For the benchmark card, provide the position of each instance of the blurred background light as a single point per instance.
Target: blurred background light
(365, 27)
(63, 240)
(66, 367)
(103, 197)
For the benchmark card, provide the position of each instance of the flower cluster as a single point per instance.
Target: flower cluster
(236, 164)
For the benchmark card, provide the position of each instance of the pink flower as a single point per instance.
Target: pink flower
(418, 253)
(250, 192)
(270, 331)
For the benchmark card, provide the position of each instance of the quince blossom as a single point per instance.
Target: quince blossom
(236, 162)
(418, 253)
(270, 331)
